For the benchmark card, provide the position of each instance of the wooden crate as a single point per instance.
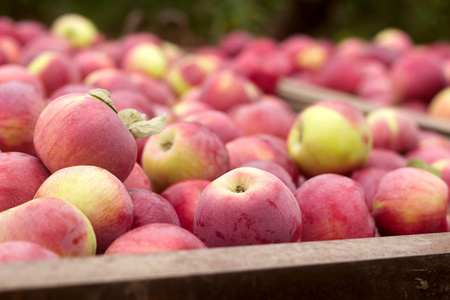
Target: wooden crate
(403, 267)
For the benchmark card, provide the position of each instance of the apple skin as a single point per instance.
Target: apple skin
(219, 122)
(52, 223)
(369, 177)
(429, 138)
(333, 207)
(183, 196)
(91, 60)
(74, 127)
(247, 206)
(149, 207)
(24, 251)
(10, 50)
(184, 109)
(102, 197)
(78, 30)
(439, 106)
(395, 39)
(44, 43)
(417, 76)
(330, 137)
(68, 89)
(54, 69)
(21, 104)
(343, 74)
(264, 117)
(123, 99)
(27, 30)
(138, 179)
(155, 238)
(22, 174)
(184, 150)
(429, 154)
(110, 79)
(257, 147)
(276, 169)
(386, 159)
(147, 58)
(225, 89)
(393, 129)
(234, 42)
(156, 91)
(12, 72)
(443, 166)
(410, 201)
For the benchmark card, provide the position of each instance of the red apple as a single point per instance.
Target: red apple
(183, 196)
(89, 61)
(369, 177)
(138, 179)
(24, 251)
(247, 206)
(275, 169)
(154, 238)
(386, 159)
(11, 72)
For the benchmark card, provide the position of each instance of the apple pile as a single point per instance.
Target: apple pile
(134, 145)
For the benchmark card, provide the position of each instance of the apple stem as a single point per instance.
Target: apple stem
(138, 124)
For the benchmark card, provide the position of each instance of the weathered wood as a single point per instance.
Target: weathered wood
(403, 267)
(299, 95)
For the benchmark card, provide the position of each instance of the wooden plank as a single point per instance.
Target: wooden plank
(300, 94)
(403, 267)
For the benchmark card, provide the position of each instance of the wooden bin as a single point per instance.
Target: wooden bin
(403, 267)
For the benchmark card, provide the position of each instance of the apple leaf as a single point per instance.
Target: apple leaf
(138, 124)
(104, 96)
(420, 164)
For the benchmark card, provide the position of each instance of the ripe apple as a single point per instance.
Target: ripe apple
(247, 206)
(12, 72)
(333, 207)
(276, 169)
(233, 42)
(21, 104)
(184, 150)
(330, 137)
(138, 179)
(393, 129)
(78, 30)
(110, 79)
(147, 58)
(439, 106)
(183, 195)
(154, 238)
(24, 251)
(386, 159)
(90, 60)
(410, 201)
(52, 223)
(102, 197)
(21, 175)
(149, 207)
(27, 30)
(368, 177)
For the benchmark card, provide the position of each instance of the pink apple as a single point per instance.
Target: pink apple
(22, 174)
(123, 99)
(149, 207)
(233, 42)
(156, 91)
(386, 159)
(369, 177)
(102, 197)
(247, 206)
(89, 61)
(184, 150)
(110, 79)
(138, 179)
(333, 207)
(410, 201)
(52, 223)
(21, 105)
(24, 251)
(27, 30)
(12, 72)
(183, 196)
(275, 169)
(154, 238)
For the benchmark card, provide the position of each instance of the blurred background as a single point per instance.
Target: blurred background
(191, 23)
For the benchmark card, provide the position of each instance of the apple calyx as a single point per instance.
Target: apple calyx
(138, 124)
(420, 164)
(239, 189)
(104, 96)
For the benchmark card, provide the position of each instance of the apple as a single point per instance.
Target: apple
(430, 138)
(150, 207)
(133, 39)
(22, 174)
(12, 72)
(417, 76)
(429, 154)
(21, 105)
(44, 43)
(138, 179)
(156, 91)
(443, 166)
(27, 30)
(225, 89)
(410, 201)
(333, 207)
(90, 60)
(24, 251)
(155, 238)
(54, 69)
(78, 30)
(10, 50)
(102, 197)
(395, 39)
(147, 58)
(183, 109)
(110, 79)
(233, 42)
(343, 74)
(84, 129)
(368, 177)
(68, 89)
(219, 122)
(330, 137)
(183, 196)
(52, 223)
(276, 169)
(439, 106)
(257, 147)
(123, 99)
(247, 206)
(393, 129)
(386, 159)
(184, 150)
